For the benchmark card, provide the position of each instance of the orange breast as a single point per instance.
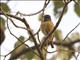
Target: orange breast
(46, 27)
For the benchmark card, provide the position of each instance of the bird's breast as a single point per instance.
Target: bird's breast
(46, 27)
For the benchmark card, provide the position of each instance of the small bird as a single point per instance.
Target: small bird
(47, 26)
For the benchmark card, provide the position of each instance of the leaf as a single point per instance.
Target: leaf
(4, 7)
(2, 22)
(58, 7)
(77, 9)
(2, 36)
(40, 17)
(20, 49)
(29, 55)
(58, 35)
(65, 51)
(21, 39)
(75, 36)
(2, 28)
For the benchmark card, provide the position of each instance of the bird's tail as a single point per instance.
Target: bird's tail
(51, 44)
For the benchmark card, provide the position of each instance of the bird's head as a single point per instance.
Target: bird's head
(47, 18)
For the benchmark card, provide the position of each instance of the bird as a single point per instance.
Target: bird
(47, 26)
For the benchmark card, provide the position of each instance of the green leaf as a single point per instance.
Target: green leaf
(2, 23)
(2, 28)
(4, 7)
(58, 7)
(2, 36)
(58, 35)
(40, 17)
(75, 36)
(77, 9)
(65, 53)
(29, 55)
(20, 49)
(21, 39)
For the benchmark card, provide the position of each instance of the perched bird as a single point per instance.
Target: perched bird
(47, 26)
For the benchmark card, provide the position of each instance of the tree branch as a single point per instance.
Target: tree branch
(55, 43)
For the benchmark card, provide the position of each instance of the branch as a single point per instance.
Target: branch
(16, 25)
(21, 45)
(34, 39)
(30, 33)
(71, 31)
(45, 5)
(55, 43)
(67, 44)
(23, 52)
(16, 38)
(28, 29)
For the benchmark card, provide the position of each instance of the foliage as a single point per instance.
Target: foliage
(2, 28)
(4, 7)
(58, 6)
(2, 22)
(62, 51)
(66, 51)
(77, 9)
(19, 49)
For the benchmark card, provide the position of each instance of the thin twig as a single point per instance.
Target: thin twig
(38, 37)
(50, 51)
(30, 32)
(16, 38)
(27, 49)
(23, 52)
(71, 31)
(26, 14)
(56, 43)
(34, 39)
(13, 34)
(78, 52)
(16, 25)
(77, 2)
(75, 57)
(21, 45)
(35, 12)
